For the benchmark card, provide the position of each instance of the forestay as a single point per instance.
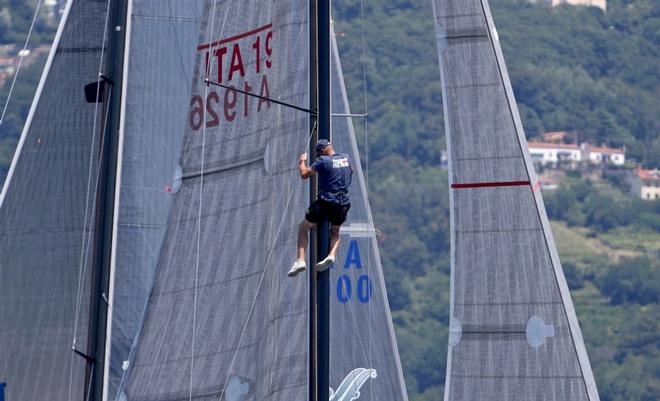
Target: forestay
(223, 320)
(514, 334)
(158, 77)
(47, 209)
(364, 359)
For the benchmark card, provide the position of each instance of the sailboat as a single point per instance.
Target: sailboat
(149, 215)
(514, 334)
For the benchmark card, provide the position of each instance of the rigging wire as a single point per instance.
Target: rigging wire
(263, 273)
(201, 197)
(21, 55)
(84, 252)
(365, 109)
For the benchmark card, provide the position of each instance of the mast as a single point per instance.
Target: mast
(105, 199)
(319, 343)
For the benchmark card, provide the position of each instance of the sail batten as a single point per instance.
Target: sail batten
(513, 330)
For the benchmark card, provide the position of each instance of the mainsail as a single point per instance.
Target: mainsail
(514, 334)
(223, 320)
(363, 352)
(47, 210)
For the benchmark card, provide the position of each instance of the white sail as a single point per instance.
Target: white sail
(514, 334)
(361, 332)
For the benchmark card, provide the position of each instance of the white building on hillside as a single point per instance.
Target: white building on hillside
(601, 155)
(645, 184)
(553, 153)
(602, 4)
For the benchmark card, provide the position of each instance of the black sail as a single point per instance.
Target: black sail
(47, 210)
(514, 334)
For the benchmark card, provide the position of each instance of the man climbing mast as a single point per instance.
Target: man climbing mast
(335, 174)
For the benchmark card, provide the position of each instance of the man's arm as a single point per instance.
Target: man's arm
(305, 172)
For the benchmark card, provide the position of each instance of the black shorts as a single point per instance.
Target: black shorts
(333, 212)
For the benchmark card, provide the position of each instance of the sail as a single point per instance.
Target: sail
(364, 359)
(46, 218)
(514, 334)
(160, 59)
(223, 320)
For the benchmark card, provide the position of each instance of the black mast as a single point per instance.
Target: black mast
(109, 95)
(319, 380)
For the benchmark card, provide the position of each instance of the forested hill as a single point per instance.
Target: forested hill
(572, 68)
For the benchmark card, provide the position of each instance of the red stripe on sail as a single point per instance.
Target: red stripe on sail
(234, 38)
(490, 184)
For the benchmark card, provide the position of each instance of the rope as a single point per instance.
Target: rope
(263, 274)
(201, 200)
(365, 108)
(85, 247)
(21, 54)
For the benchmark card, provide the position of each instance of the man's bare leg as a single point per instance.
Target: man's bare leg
(303, 230)
(299, 264)
(334, 245)
(334, 241)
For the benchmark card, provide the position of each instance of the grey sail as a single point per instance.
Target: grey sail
(514, 334)
(223, 322)
(364, 358)
(47, 207)
(160, 59)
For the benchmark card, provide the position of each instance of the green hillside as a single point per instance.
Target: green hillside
(572, 69)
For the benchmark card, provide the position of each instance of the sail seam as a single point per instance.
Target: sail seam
(485, 85)
(219, 169)
(487, 158)
(490, 184)
(90, 49)
(165, 18)
(458, 37)
(234, 38)
(517, 377)
(510, 230)
(507, 303)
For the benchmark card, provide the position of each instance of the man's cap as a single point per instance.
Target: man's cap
(321, 144)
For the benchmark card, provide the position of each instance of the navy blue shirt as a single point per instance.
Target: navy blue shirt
(335, 174)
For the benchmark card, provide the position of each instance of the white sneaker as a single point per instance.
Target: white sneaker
(298, 267)
(324, 264)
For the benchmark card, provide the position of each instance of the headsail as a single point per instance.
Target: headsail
(223, 321)
(364, 359)
(160, 59)
(46, 217)
(513, 331)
